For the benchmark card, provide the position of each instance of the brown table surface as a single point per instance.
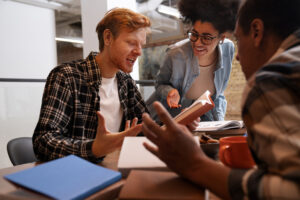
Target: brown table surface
(11, 191)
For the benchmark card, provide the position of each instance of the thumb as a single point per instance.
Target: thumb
(101, 123)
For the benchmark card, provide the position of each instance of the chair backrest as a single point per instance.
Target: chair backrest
(20, 150)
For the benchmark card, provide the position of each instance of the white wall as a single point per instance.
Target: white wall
(28, 47)
(27, 50)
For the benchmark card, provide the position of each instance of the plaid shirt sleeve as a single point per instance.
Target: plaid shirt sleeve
(53, 136)
(272, 114)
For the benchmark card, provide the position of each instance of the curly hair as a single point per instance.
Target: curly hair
(221, 13)
(281, 17)
(120, 18)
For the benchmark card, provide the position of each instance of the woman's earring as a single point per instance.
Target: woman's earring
(221, 41)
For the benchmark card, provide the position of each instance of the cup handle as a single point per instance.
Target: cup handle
(224, 155)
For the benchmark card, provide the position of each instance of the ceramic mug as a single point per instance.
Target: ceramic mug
(234, 152)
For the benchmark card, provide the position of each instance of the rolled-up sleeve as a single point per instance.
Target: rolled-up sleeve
(258, 184)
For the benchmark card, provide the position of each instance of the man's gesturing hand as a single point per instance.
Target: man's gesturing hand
(107, 142)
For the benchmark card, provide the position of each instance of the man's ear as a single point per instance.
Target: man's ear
(107, 37)
(257, 31)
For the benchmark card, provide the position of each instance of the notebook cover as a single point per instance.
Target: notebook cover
(70, 177)
(156, 185)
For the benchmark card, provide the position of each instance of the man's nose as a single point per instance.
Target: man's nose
(138, 50)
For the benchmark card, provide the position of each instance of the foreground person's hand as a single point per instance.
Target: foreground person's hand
(106, 142)
(174, 142)
(177, 147)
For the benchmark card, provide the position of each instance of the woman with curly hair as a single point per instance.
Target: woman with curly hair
(201, 62)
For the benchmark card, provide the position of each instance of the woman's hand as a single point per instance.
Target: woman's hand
(194, 124)
(173, 99)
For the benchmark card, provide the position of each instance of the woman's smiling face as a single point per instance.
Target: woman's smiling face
(205, 30)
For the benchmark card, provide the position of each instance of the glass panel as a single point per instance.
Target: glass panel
(20, 105)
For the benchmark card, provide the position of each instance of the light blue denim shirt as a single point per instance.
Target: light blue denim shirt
(180, 69)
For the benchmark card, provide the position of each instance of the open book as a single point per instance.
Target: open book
(219, 125)
(200, 106)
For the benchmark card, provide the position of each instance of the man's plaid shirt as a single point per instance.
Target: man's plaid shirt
(271, 112)
(68, 120)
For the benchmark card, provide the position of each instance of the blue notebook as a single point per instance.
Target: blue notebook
(70, 177)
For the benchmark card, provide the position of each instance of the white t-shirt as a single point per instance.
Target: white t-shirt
(110, 106)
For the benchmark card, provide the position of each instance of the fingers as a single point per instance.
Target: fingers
(150, 128)
(101, 123)
(134, 123)
(152, 149)
(133, 131)
(127, 125)
(173, 99)
(170, 102)
(148, 133)
(164, 116)
(175, 105)
(194, 124)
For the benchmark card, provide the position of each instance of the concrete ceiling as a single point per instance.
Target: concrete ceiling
(68, 17)
(68, 20)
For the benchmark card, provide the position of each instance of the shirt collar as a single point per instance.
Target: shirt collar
(220, 60)
(287, 43)
(92, 69)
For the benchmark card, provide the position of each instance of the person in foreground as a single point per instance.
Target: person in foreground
(201, 62)
(78, 95)
(268, 36)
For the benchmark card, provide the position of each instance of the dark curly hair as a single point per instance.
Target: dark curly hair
(281, 17)
(221, 13)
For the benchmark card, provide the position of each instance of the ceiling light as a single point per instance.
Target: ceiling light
(70, 40)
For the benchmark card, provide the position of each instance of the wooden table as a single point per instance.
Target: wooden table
(11, 191)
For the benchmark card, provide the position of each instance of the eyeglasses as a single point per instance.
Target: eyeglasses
(205, 39)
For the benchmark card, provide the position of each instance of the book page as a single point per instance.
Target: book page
(219, 125)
